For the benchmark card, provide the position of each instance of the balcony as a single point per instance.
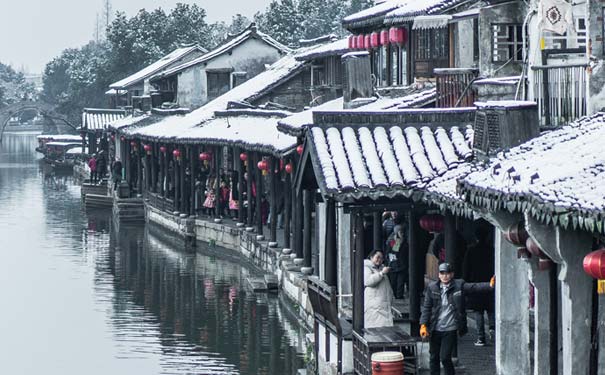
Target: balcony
(560, 91)
(454, 87)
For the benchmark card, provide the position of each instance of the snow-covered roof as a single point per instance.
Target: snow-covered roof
(394, 11)
(512, 80)
(557, 176)
(128, 121)
(175, 127)
(334, 48)
(60, 137)
(99, 119)
(116, 92)
(415, 98)
(353, 162)
(64, 144)
(157, 66)
(250, 32)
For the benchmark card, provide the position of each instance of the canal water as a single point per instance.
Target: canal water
(79, 296)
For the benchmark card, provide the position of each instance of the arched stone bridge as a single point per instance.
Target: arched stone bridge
(42, 108)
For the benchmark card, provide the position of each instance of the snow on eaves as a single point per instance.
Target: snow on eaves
(99, 119)
(559, 170)
(385, 160)
(335, 48)
(157, 66)
(375, 11)
(413, 8)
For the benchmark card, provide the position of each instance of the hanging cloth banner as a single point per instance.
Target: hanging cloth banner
(556, 16)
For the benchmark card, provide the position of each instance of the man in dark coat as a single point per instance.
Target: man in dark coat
(444, 315)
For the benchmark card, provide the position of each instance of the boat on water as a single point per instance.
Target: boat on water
(44, 139)
(62, 154)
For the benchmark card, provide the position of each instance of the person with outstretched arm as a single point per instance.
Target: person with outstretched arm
(443, 315)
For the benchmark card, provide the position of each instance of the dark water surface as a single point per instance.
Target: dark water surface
(80, 297)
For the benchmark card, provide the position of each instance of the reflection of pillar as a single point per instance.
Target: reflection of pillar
(331, 252)
(273, 166)
(307, 238)
(357, 274)
(376, 231)
(287, 196)
(416, 259)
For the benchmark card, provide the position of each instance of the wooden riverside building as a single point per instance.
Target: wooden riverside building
(408, 114)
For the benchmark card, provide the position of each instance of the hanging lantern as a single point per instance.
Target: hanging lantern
(163, 149)
(244, 157)
(360, 41)
(262, 165)
(352, 42)
(384, 37)
(375, 39)
(122, 138)
(299, 149)
(147, 149)
(398, 35)
(533, 248)
(367, 42)
(516, 234)
(177, 154)
(594, 266)
(289, 168)
(113, 137)
(432, 223)
(205, 157)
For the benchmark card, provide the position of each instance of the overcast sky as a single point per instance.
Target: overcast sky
(32, 32)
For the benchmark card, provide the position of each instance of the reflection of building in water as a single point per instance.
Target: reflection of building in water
(198, 306)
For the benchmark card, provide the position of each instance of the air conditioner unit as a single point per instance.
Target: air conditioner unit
(500, 125)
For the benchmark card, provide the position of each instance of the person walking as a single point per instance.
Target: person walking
(378, 295)
(101, 165)
(116, 173)
(92, 165)
(443, 316)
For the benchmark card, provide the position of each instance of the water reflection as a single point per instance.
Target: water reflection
(82, 297)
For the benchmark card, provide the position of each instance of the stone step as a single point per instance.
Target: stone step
(257, 284)
(271, 281)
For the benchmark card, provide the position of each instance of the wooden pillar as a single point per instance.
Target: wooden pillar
(83, 136)
(182, 196)
(217, 188)
(176, 180)
(259, 193)
(240, 186)
(249, 215)
(127, 162)
(162, 156)
(154, 167)
(273, 166)
(138, 158)
(450, 241)
(357, 259)
(192, 173)
(287, 208)
(416, 271)
(298, 224)
(376, 231)
(307, 238)
(331, 254)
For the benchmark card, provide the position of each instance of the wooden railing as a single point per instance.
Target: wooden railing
(560, 91)
(159, 202)
(454, 87)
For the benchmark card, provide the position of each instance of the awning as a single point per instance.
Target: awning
(431, 22)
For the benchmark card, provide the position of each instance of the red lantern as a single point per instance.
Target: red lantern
(351, 41)
(177, 154)
(533, 248)
(299, 149)
(360, 41)
(516, 234)
(147, 149)
(432, 223)
(113, 137)
(205, 156)
(243, 156)
(263, 165)
(289, 168)
(374, 39)
(367, 42)
(163, 149)
(122, 138)
(594, 264)
(384, 37)
(397, 35)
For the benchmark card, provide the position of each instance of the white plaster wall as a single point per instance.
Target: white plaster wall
(464, 44)
(343, 221)
(321, 238)
(333, 349)
(250, 56)
(347, 356)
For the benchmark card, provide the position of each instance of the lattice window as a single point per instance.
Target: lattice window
(432, 44)
(572, 39)
(507, 42)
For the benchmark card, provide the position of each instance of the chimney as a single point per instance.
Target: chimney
(500, 125)
(357, 81)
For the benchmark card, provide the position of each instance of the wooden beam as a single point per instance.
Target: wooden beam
(273, 166)
(376, 231)
(259, 193)
(175, 182)
(357, 258)
(416, 271)
(287, 208)
(249, 197)
(307, 231)
(183, 198)
(240, 186)
(217, 188)
(298, 223)
(192, 169)
(450, 235)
